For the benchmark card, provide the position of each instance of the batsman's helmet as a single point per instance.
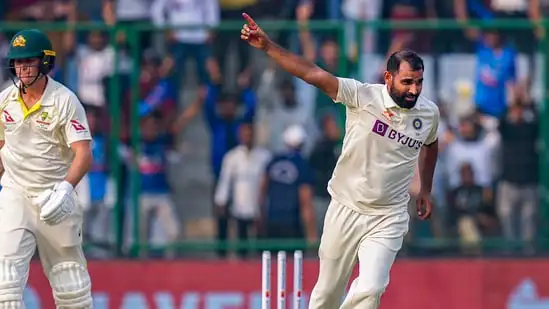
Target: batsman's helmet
(31, 43)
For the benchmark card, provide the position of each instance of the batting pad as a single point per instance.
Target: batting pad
(11, 288)
(71, 286)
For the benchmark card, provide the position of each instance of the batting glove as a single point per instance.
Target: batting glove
(59, 205)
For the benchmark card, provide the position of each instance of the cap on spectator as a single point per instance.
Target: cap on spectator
(294, 136)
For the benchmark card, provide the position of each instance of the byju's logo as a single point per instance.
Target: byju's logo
(383, 129)
(380, 127)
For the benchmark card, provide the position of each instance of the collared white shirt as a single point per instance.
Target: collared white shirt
(240, 179)
(478, 154)
(36, 154)
(203, 14)
(381, 147)
(93, 67)
(510, 5)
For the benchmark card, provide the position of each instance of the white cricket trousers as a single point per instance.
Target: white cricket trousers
(348, 237)
(59, 247)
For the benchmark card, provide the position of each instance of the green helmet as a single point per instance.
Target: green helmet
(32, 43)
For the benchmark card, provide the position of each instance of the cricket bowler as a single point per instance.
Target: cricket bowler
(389, 128)
(45, 151)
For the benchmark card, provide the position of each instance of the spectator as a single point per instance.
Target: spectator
(46, 11)
(496, 73)
(328, 58)
(154, 198)
(405, 10)
(95, 61)
(92, 10)
(322, 161)
(307, 10)
(126, 14)
(287, 192)
(522, 39)
(157, 92)
(288, 111)
(188, 43)
(231, 10)
(517, 191)
(364, 11)
(470, 146)
(238, 187)
(96, 191)
(223, 118)
(471, 205)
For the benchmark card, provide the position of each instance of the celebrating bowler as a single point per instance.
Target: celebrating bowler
(45, 151)
(388, 128)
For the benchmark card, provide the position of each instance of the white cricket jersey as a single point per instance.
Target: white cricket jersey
(36, 154)
(381, 147)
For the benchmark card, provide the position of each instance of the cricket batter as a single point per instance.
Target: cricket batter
(45, 152)
(388, 127)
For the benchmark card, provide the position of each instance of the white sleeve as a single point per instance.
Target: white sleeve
(347, 92)
(157, 12)
(224, 185)
(212, 13)
(433, 134)
(75, 123)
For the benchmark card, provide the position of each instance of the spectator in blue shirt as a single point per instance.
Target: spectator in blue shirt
(495, 75)
(158, 220)
(224, 117)
(287, 192)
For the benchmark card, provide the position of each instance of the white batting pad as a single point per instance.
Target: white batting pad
(11, 289)
(12, 305)
(71, 285)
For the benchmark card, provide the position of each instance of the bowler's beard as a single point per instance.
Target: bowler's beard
(400, 98)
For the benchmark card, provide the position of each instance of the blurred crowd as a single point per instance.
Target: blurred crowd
(273, 140)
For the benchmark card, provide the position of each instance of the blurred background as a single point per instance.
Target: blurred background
(187, 121)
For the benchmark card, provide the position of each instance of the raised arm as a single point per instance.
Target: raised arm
(292, 63)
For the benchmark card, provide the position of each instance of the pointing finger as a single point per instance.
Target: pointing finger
(250, 21)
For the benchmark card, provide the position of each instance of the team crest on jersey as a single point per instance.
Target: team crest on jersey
(44, 116)
(19, 42)
(44, 120)
(417, 123)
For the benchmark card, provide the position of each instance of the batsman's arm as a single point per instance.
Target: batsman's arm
(81, 163)
(77, 135)
(303, 69)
